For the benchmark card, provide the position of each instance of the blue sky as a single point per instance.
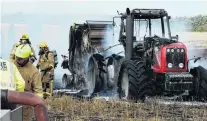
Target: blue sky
(174, 8)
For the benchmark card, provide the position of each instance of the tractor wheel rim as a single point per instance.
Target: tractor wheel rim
(91, 77)
(111, 74)
(125, 84)
(64, 84)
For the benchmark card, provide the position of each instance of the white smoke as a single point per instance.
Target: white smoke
(111, 40)
(194, 54)
(196, 43)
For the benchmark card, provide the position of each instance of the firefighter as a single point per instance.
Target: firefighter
(30, 74)
(10, 79)
(23, 40)
(46, 66)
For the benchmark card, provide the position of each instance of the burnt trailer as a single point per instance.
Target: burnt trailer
(85, 40)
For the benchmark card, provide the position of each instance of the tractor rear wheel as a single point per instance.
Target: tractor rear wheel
(127, 80)
(134, 81)
(147, 86)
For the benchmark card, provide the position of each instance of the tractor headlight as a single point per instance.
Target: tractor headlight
(172, 50)
(182, 50)
(169, 65)
(168, 50)
(181, 65)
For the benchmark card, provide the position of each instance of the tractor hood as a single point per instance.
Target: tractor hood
(170, 58)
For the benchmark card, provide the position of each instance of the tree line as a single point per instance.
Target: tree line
(198, 23)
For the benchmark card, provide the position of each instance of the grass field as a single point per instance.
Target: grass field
(68, 109)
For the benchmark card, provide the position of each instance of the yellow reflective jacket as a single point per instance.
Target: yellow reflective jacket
(32, 78)
(10, 77)
(33, 55)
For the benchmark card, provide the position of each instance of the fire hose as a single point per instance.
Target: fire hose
(26, 98)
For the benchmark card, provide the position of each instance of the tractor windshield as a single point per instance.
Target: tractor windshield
(142, 28)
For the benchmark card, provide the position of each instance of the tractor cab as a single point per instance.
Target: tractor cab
(158, 59)
(145, 33)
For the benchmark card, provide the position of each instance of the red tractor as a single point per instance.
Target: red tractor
(152, 66)
(156, 65)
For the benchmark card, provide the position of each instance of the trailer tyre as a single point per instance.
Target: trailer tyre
(66, 80)
(94, 74)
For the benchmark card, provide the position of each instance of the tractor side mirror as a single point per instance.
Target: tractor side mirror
(175, 38)
(128, 11)
(169, 17)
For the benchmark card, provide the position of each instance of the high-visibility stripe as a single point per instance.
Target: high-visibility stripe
(5, 85)
(7, 80)
(12, 81)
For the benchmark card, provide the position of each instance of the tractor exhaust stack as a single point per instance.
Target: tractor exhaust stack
(129, 35)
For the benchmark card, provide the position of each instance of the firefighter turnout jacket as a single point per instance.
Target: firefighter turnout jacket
(46, 66)
(32, 78)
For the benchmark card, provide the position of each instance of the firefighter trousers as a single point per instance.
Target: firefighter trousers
(47, 88)
(28, 112)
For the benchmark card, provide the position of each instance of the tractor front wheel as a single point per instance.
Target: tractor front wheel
(200, 75)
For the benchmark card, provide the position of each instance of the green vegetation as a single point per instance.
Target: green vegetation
(198, 23)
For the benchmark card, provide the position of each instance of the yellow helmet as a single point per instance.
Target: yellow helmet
(24, 36)
(23, 51)
(43, 44)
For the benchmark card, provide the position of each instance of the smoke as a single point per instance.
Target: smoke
(194, 53)
(111, 40)
(196, 47)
